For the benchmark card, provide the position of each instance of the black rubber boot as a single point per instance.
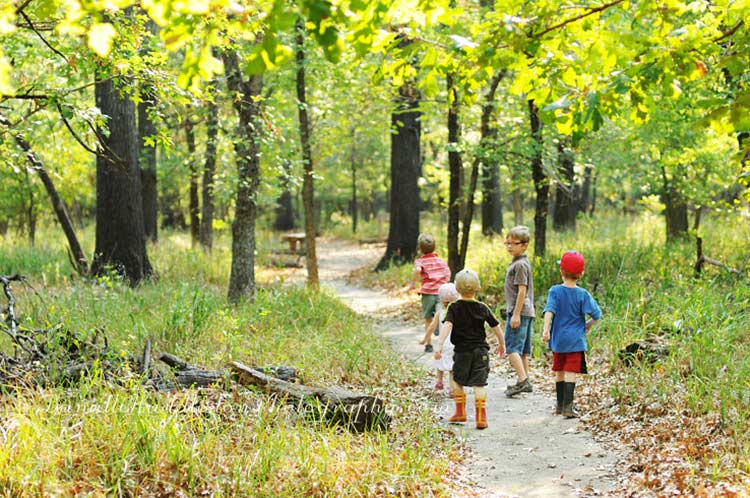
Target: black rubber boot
(568, 410)
(560, 389)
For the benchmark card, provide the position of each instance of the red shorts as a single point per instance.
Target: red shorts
(569, 362)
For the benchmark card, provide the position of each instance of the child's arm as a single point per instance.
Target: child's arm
(500, 351)
(515, 320)
(445, 330)
(430, 328)
(590, 324)
(414, 279)
(548, 316)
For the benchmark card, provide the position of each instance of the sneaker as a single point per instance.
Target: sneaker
(514, 389)
(428, 348)
(439, 386)
(526, 387)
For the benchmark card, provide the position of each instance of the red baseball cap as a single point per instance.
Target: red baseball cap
(572, 262)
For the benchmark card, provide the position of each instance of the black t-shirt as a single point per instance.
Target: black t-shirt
(468, 319)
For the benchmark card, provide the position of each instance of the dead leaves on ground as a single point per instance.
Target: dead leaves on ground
(670, 450)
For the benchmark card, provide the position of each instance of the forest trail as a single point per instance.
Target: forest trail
(526, 451)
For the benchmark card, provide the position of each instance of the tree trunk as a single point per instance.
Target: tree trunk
(517, 206)
(120, 235)
(676, 209)
(676, 214)
(308, 181)
(247, 149)
(486, 142)
(76, 253)
(541, 182)
(585, 200)
(209, 169)
(284, 206)
(406, 161)
(353, 160)
(564, 214)
(30, 209)
(454, 190)
(147, 128)
(193, 207)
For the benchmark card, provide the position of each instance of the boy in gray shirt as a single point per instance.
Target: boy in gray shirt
(519, 299)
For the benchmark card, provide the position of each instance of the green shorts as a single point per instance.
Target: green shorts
(471, 368)
(429, 305)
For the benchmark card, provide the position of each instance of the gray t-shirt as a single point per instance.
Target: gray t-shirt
(519, 273)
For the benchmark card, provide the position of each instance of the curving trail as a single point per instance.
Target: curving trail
(526, 451)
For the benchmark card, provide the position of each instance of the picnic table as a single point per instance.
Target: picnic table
(293, 239)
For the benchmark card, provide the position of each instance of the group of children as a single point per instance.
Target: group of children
(462, 353)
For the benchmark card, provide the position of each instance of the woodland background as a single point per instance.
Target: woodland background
(153, 152)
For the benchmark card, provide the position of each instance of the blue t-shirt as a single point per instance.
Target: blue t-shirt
(570, 306)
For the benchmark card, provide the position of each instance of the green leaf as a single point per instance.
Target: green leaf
(100, 38)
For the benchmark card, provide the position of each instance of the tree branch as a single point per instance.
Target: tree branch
(72, 132)
(576, 18)
(44, 40)
(730, 32)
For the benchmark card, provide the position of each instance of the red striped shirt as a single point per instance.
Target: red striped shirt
(433, 271)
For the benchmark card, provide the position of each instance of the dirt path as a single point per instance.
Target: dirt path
(526, 451)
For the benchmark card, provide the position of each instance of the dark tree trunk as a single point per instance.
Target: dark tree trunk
(172, 215)
(406, 161)
(209, 169)
(147, 128)
(193, 207)
(541, 182)
(308, 181)
(455, 167)
(676, 213)
(585, 199)
(120, 236)
(566, 207)
(76, 253)
(284, 205)
(247, 149)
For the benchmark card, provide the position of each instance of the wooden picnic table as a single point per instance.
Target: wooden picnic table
(293, 239)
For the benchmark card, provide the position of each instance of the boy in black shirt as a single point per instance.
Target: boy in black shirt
(464, 322)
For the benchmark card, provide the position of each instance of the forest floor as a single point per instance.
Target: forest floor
(526, 451)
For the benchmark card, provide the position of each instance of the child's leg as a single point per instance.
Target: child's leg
(439, 383)
(480, 400)
(568, 409)
(459, 397)
(427, 338)
(560, 391)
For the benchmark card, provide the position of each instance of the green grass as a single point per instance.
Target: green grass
(98, 438)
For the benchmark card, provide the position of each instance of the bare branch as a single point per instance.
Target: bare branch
(44, 40)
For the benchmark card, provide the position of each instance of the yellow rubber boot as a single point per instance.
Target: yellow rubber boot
(460, 415)
(481, 417)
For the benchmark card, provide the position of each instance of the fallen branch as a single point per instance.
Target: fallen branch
(338, 406)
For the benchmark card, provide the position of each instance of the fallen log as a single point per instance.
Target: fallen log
(650, 350)
(338, 406)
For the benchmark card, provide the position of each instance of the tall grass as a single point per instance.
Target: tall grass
(98, 438)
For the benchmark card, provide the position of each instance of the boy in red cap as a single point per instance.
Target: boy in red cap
(565, 328)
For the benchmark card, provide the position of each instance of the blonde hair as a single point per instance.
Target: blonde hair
(448, 292)
(467, 282)
(521, 233)
(426, 243)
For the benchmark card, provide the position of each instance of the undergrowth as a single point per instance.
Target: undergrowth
(97, 438)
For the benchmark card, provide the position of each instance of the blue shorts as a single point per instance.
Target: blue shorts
(519, 340)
